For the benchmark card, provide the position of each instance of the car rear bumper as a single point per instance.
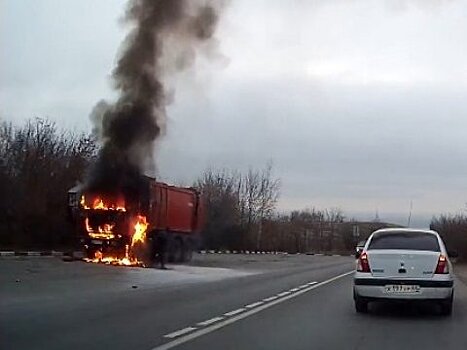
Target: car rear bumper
(374, 288)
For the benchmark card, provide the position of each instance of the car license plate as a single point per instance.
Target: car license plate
(96, 241)
(398, 288)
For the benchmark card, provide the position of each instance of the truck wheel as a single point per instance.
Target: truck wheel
(175, 250)
(90, 252)
(142, 252)
(152, 251)
(178, 251)
(187, 254)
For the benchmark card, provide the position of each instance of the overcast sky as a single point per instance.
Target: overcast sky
(359, 104)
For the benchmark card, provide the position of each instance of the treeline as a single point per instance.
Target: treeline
(38, 164)
(238, 205)
(242, 215)
(453, 230)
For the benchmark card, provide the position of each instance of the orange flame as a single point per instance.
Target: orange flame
(113, 260)
(103, 231)
(140, 230)
(83, 203)
(99, 204)
(139, 236)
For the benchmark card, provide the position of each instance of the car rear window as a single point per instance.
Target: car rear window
(404, 240)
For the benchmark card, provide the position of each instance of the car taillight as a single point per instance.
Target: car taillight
(442, 266)
(362, 264)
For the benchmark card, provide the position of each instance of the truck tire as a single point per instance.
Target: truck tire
(142, 252)
(176, 251)
(90, 251)
(187, 253)
(151, 250)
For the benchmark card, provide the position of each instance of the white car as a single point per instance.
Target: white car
(404, 264)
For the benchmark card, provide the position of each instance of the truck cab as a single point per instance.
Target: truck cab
(107, 223)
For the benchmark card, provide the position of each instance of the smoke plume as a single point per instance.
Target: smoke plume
(166, 37)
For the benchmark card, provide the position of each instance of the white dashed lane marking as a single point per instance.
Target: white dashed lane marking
(219, 322)
(208, 322)
(234, 312)
(180, 332)
(250, 306)
(237, 311)
(274, 297)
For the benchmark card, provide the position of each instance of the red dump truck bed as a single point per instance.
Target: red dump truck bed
(175, 209)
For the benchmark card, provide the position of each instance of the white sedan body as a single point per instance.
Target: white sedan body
(403, 264)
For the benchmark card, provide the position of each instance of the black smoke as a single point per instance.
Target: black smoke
(165, 38)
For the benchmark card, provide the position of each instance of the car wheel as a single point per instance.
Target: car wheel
(446, 307)
(361, 305)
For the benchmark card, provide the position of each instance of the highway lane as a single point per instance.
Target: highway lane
(293, 303)
(324, 318)
(76, 306)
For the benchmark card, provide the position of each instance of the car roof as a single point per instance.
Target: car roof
(405, 230)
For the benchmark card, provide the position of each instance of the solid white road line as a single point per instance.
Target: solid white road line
(179, 332)
(234, 319)
(210, 321)
(234, 312)
(251, 306)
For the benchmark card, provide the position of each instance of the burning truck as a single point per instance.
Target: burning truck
(124, 228)
(120, 214)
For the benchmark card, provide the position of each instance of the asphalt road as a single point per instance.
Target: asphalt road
(270, 302)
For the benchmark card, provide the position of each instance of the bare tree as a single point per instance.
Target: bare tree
(38, 164)
(453, 229)
(220, 191)
(268, 194)
(334, 217)
(238, 203)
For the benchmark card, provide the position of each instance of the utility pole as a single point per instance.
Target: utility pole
(356, 232)
(410, 213)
